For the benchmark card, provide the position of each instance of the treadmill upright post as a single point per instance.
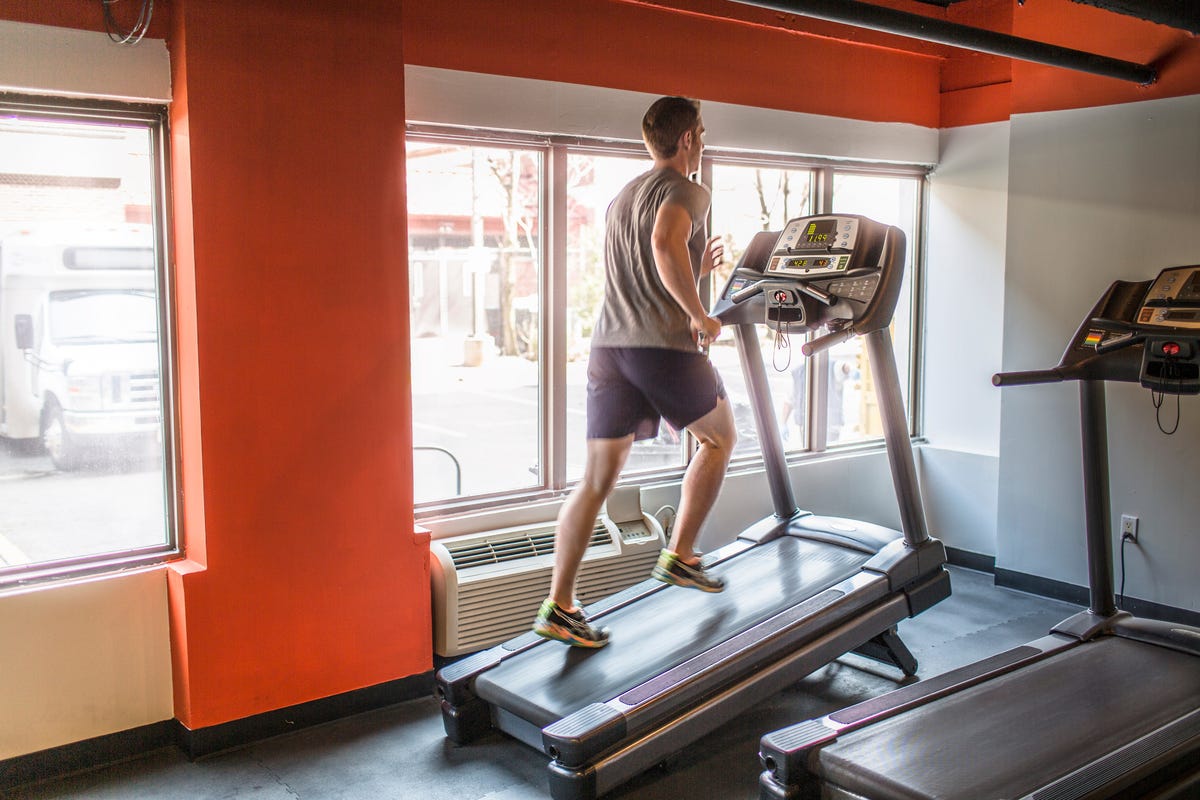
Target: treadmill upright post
(895, 435)
(769, 438)
(1094, 429)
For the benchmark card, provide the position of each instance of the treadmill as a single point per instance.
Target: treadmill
(801, 589)
(1106, 705)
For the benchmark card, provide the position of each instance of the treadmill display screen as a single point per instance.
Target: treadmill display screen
(1191, 289)
(820, 231)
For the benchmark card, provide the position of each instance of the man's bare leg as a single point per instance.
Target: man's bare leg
(705, 474)
(577, 517)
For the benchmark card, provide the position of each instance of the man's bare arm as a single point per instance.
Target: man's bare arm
(672, 229)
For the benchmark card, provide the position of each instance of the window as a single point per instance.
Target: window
(851, 412)
(748, 199)
(506, 270)
(594, 181)
(86, 472)
(475, 260)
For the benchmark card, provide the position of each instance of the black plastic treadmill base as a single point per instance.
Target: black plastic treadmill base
(771, 789)
(466, 722)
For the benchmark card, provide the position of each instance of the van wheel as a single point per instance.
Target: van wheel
(56, 440)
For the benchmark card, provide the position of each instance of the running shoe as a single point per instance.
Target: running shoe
(673, 570)
(567, 626)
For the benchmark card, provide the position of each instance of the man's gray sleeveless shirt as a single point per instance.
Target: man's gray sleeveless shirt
(638, 311)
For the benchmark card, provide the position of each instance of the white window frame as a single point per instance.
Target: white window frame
(154, 118)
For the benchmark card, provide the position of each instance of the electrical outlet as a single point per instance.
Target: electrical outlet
(1129, 527)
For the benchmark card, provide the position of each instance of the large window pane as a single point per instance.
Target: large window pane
(474, 261)
(747, 200)
(82, 468)
(853, 414)
(593, 181)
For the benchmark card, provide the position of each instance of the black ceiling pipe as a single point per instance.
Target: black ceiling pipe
(915, 26)
(1181, 14)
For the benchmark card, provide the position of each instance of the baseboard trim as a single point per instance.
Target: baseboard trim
(968, 560)
(1080, 596)
(103, 751)
(113, 748)
(248, 730)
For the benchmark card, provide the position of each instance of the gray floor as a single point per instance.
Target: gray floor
(400, 752)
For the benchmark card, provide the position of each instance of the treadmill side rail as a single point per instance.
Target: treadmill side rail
(1138, 763)
(1176, 636)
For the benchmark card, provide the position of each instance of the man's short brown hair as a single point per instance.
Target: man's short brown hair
(666, 120)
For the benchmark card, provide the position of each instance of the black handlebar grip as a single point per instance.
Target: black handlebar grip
(1025, 378)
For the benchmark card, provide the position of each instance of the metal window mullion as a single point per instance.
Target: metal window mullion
(824, 193)
(553, 406)
(818, 406)
(916, 343)
(168, 376)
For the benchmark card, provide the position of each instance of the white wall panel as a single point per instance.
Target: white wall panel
(83, 659)
(41, 59)
(1096, 195)
(469, 99)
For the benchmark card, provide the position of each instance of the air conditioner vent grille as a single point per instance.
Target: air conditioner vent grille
(528, 544)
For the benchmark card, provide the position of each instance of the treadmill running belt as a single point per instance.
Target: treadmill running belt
(551, 680)
(1014, 734)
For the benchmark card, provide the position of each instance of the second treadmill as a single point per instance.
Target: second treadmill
(1107, 705)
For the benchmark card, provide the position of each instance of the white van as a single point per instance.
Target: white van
(79, 353)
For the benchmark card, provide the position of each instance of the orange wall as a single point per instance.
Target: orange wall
(641, 46)
(1082, 27)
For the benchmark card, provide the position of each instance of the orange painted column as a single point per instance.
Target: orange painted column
(305, 577)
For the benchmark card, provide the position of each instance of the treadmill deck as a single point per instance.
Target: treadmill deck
(1021, 731)
(667, 628)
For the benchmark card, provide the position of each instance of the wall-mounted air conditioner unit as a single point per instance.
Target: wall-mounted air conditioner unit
(487, 586)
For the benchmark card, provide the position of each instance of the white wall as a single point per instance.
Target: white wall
(82, 659)
(40, 59)
(1096, 195)
(470, 99)
(967, 211)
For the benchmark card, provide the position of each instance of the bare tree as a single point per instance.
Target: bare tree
(518, 225)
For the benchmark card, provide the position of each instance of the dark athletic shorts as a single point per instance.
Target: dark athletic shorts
(631, 388)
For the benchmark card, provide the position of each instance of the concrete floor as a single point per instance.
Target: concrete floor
(400, 752)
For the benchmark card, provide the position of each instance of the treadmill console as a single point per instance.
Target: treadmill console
(1173, 300)
(839, 271)
(1145, 332)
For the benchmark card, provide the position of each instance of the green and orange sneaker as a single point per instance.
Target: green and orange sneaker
(567, 626)
(675, 571)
